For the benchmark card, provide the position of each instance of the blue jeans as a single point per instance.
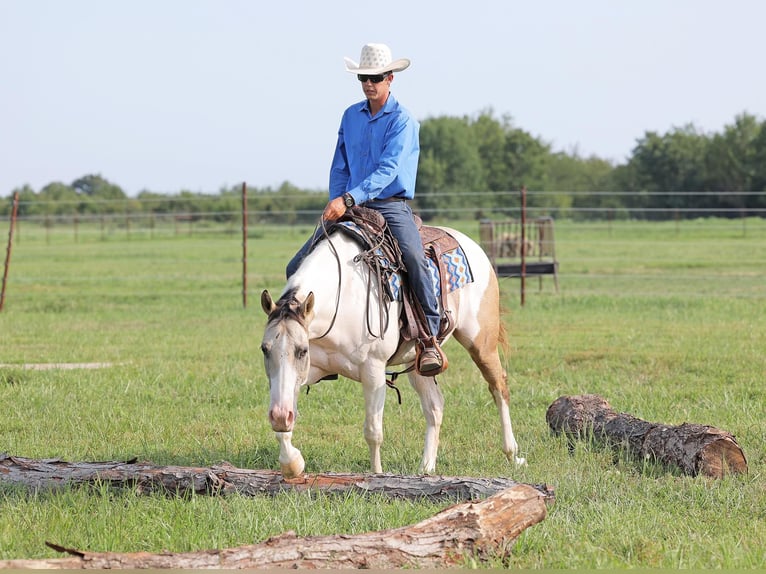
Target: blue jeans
(402, 225)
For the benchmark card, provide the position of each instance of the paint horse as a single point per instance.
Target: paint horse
(326, 322)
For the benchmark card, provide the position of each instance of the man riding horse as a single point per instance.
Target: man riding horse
(375, 165)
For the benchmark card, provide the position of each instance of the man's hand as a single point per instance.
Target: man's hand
(335, 209)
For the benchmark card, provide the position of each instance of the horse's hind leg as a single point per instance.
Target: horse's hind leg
(483, 348)
(432, 405)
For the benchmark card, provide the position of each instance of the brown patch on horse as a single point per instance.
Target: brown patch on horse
(491, 338)
(503, 340)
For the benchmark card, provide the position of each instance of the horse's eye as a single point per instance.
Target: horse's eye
(301, 352)
(264, 349)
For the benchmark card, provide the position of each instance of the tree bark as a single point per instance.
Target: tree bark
(694, 448)
(477, 530)
(147, 478)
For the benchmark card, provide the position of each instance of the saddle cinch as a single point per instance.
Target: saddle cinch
(384, 259)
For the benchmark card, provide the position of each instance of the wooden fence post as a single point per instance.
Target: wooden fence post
(244, 245)
(523, 242)
(14, 213)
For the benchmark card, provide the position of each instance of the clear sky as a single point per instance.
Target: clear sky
(168, 95)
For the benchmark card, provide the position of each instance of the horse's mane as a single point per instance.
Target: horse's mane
(288, 307)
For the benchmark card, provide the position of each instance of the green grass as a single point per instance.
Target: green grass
(666, 321)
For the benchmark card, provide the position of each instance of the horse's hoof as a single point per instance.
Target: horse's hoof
(293, 468)
(520, 461)
(427, 469)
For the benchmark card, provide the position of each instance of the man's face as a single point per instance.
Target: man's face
(376, 87)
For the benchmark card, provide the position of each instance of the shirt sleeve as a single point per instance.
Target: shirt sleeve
(339, 168)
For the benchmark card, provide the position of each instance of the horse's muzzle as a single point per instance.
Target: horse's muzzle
(281, 419)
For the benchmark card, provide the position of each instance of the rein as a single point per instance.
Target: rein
(337, 291)
(391, 383)
(381, 245)
(379, 241)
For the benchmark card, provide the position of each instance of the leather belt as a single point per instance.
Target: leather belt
(394, 198)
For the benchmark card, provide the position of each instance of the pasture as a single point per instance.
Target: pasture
(667, 321)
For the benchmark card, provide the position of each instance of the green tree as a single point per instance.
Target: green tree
(511, 158)
(664, 164)
(759, 173)
(732, 162)
(578, 181)
(490, 135)
(97, 195)
(480, 154)
(449, 167)
(57, 198)
(28, 204)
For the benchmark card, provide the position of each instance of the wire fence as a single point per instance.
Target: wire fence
(688, 252)
(290, 208)
(77, 228)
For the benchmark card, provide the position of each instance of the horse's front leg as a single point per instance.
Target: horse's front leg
(432, 405)
(374, 401)
(290, 458)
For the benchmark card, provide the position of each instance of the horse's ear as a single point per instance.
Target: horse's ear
(308, 306)
(266, 302)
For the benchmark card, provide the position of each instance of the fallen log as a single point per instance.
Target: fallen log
(694, 448)
(469, 530)
(146, 478)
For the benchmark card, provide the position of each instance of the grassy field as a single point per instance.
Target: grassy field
(667, 321)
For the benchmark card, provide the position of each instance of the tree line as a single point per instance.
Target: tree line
(477, 164)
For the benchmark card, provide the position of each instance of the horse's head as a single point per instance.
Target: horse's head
(285, 348)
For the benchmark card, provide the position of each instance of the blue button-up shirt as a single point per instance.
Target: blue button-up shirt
(376, 157)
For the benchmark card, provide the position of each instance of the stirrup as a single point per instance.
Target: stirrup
(430, 344)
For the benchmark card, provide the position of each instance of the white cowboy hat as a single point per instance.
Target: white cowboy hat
(376, 59)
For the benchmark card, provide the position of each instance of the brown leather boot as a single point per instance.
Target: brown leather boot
(430, 359)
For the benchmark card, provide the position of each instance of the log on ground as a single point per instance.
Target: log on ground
(475, 530)
(694, 448)
(145, 478)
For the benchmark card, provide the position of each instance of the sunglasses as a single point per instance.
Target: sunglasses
(376, 79)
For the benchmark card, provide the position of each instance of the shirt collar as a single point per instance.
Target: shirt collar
(387, 107)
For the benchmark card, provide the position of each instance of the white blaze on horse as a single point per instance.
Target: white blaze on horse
(327, 322)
